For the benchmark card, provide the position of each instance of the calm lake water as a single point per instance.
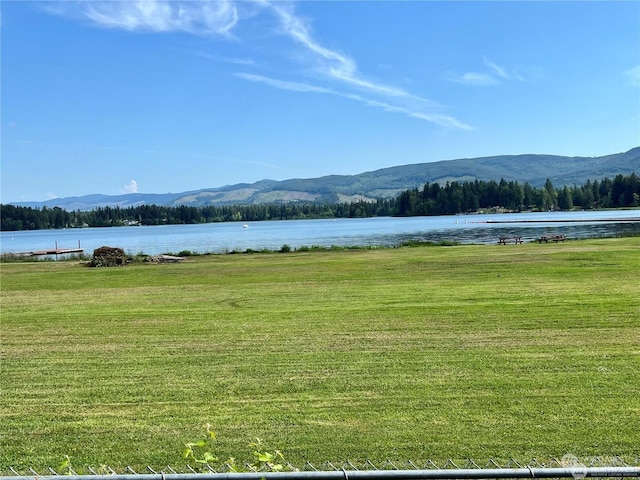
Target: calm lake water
(382, 231)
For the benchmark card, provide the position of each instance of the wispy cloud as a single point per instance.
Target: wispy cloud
(333, 64)
(202, 17)
(494, 75)
(438, 119)
(283, 84)
(471, 78)
(342, 70)
(220, 18)
(633, 76)
(217, 58)
(496, 69)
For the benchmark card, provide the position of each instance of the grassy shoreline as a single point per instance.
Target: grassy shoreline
(474, 351)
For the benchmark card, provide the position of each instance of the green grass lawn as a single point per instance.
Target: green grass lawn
(394, 354)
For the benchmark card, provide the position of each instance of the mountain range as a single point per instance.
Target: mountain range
(382, 183)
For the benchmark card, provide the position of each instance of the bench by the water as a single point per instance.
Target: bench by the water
(505, 240)
(553, 238)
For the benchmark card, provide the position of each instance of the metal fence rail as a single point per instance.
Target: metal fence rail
(462, 474)
(567, 467)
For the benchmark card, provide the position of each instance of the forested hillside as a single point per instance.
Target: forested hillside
(432, 199)
(386, 183)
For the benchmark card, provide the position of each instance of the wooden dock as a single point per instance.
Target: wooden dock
(54, 251)
(51, 251)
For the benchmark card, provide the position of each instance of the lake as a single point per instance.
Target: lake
(380, 231)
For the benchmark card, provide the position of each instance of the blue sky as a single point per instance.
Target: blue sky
(161, 96)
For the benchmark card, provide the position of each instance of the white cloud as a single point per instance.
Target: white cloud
(497, 69)
(331, 63)
(282, 84)
(438, 119)
(633, 75)
(131, 187)
(342, 69)
(471, 78)
(495, 75)
(200, 17)
(236, 61)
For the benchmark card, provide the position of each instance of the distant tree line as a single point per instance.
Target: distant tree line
(461, 197)
(28, 218)
(432, 199)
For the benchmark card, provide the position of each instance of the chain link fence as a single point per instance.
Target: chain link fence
(566, 467)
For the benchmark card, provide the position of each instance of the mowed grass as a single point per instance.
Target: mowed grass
(528, 351)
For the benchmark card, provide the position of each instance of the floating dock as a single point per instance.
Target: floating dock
(51, 251)
(55, 251)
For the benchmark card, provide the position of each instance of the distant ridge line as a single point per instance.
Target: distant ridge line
(370, 186)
